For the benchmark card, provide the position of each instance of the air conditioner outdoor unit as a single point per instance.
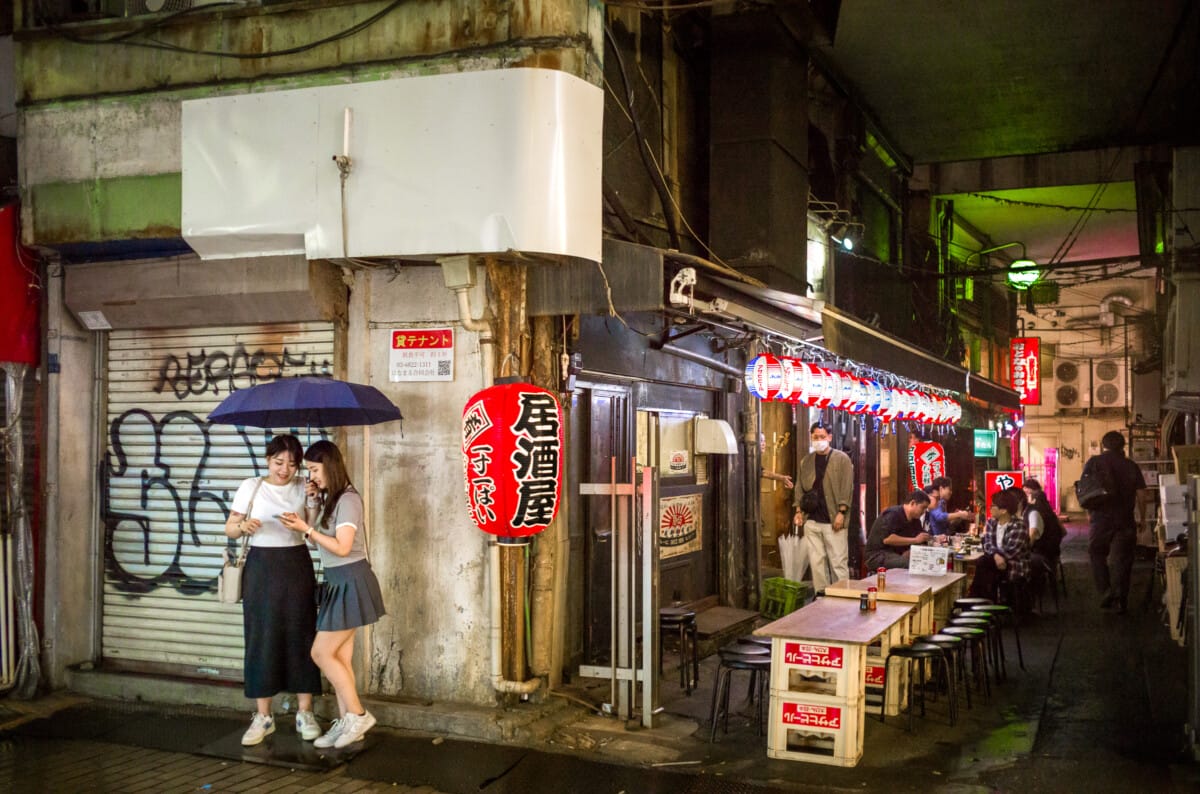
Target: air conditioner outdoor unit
(1181, 345)
(1108, 383)
(1072, 384)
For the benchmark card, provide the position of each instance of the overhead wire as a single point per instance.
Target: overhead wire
(128, 39)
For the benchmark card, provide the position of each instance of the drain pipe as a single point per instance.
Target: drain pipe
(459, 275)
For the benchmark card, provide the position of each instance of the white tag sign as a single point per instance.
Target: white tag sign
(928, 560)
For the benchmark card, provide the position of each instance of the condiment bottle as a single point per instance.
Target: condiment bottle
(881, 578)
(872, 598)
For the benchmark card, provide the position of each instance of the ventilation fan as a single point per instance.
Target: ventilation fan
(1108, 383)
(133, 8)
(1072, 388)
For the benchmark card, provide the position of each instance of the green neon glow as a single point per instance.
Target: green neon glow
(1023, 273)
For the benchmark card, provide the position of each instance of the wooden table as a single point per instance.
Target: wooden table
(902, 591)
(818, 689)
(945, 589)
(965, 563)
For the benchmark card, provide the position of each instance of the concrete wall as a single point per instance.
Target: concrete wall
(430, 559)
(99, 126)
(69, 555)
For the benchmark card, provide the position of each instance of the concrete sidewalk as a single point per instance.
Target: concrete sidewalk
(1099, 708)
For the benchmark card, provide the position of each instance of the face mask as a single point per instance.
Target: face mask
(820, 446)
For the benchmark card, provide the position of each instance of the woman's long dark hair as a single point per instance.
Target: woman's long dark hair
(337, 481)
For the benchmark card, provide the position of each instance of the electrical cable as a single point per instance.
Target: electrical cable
(126, 39)
(656, 176)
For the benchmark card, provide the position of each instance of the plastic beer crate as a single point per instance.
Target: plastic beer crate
(808, 667)
(816, 729)
(782, 596)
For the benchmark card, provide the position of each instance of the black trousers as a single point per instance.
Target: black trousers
(1112, 538)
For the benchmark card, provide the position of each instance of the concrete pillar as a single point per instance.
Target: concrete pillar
(758, 191)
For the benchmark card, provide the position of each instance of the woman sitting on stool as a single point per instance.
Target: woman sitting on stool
(1005, 546)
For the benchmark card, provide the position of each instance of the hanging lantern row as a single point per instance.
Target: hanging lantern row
(786, 379)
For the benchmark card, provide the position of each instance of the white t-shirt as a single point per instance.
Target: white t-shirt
(1036, 525)
(270, 501)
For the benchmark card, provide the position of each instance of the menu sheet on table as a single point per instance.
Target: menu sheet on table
(928, 560)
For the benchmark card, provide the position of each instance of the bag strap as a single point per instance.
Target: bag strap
(241, 558)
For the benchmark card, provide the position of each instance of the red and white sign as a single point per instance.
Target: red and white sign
(1025, 355)
(996, 481)
(926, 462)
(811, 655)
(512, 457)
(876, 673)
(421, 354)
(811, 714)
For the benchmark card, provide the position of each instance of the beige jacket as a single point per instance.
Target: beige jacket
(839, 480)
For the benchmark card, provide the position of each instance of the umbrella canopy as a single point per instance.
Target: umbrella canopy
(305, 402)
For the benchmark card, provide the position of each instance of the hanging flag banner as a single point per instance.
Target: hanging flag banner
(1025, 354)
(996, 481)
(926, 462)
(512, 456)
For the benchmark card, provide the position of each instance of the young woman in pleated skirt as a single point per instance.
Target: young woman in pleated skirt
(352, 597)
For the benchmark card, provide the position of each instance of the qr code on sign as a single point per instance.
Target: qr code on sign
(443, 369)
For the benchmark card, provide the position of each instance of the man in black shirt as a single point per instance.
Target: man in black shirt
(1113, 524)
(894, 531)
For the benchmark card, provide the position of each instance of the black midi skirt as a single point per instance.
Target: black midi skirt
(280, 618)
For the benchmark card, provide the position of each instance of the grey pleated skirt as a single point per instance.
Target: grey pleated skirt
(351, 597)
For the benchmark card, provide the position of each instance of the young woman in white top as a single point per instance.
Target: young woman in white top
(278, 593)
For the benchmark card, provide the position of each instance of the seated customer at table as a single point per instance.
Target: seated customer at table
(940, 517)
(895, 530)
(1005, 547)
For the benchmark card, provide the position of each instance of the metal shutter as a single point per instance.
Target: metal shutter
(169, 477)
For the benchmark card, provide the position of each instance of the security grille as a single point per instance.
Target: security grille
(169, 478)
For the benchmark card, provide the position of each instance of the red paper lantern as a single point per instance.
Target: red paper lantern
(926, 462)
(512, 457)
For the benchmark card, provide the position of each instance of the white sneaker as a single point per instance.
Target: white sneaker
(331, 735)
(262, 725)
(355, 726)
(307, 725)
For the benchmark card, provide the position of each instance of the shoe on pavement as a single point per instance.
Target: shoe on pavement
(356, 725)
(1108, 602)
(332, 735)
(261, 726)
(307, 725)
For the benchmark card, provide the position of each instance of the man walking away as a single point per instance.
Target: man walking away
(896, 529)
(1113, 527)
(826, 473)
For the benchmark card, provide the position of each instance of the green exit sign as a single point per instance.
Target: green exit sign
(985, 443)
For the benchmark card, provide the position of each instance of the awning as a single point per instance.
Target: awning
(848, 337)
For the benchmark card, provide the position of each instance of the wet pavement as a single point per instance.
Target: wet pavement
(1099, 707)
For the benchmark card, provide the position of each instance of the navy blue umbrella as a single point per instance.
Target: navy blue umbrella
(305, 402)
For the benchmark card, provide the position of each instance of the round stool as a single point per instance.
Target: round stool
(991, 626)
(756, 662)
(956, 650)
(920, 652)
(1007, 615)
(968, 602)
(681, 622)
(976, 643)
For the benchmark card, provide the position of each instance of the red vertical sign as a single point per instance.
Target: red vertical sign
(1024, 355)
(996, 481)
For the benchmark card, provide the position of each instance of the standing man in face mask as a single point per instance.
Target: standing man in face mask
(828, 476)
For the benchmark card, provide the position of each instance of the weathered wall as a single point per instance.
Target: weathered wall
(430, 560)
(68, 556)
(99, 125)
